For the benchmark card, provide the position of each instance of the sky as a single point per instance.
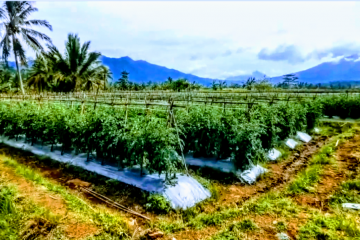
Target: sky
(215, 39)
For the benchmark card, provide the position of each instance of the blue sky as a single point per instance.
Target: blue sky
(211, 38)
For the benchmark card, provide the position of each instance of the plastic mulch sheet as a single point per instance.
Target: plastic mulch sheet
(251, 175)
(351, 206)
(291, 143)
(274, 154)
(303, 136)
(221, 165)
(186, 193)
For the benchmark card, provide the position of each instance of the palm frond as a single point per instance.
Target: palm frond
(5, 45)
(73, 51)
(83, 52)
(91, 60)
(27, 11)
(19, 51)
(33, 43)
(37, 34)
(2, 13)
(43, 23)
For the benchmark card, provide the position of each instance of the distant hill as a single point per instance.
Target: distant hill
(256, 75)
(347, 69)
(142, 71)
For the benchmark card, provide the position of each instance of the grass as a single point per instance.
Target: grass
(312, 174)
(339, 226)
(272, 203)
(305, 180)
(236, 230)
(16, 212)
(348, 193)
(113, 225)
(281, 226)
(9, 216)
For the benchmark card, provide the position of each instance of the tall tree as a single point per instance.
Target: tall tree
(18, 29)
(78, 66)
(123, 82)
(42, 75)
(106, 75)
(290, 79)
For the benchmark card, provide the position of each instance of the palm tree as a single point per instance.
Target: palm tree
(79, 67)
(105, 74)
(43, 75)
(17, 25)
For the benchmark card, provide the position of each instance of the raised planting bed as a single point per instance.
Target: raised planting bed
(184, 194)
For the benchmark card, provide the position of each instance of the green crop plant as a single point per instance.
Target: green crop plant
(150, 138)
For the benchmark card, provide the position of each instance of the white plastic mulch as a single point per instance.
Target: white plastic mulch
(186, 193)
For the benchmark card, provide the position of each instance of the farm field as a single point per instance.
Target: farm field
(300, 195)
(152, 126)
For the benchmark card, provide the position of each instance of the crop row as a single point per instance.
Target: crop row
(344, 106)
(149, 139)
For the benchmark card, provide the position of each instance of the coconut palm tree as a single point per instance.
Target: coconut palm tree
(18, 31)
(43, 74)
(79, 67)
(105, 75)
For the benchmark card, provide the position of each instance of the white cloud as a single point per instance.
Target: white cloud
(210, 39)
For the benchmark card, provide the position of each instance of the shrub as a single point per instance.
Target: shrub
(158, 204)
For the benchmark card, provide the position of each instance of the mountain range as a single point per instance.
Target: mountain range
(256, 75)
(142, 71)
(346, 69)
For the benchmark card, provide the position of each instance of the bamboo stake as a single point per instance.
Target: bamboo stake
(113, 203)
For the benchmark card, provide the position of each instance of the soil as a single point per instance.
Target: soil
(74, 181)
(29, 190)
(40, 228)
(80, 230)
(347, 167)
(279, 174)
(37, 229)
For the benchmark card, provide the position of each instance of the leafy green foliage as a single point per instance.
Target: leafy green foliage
(142, 138)
(343, 106)
(17, 25)
(77, 69)
(158, 204)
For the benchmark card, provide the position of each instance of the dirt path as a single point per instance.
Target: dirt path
(347, 167)
(279, 174)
